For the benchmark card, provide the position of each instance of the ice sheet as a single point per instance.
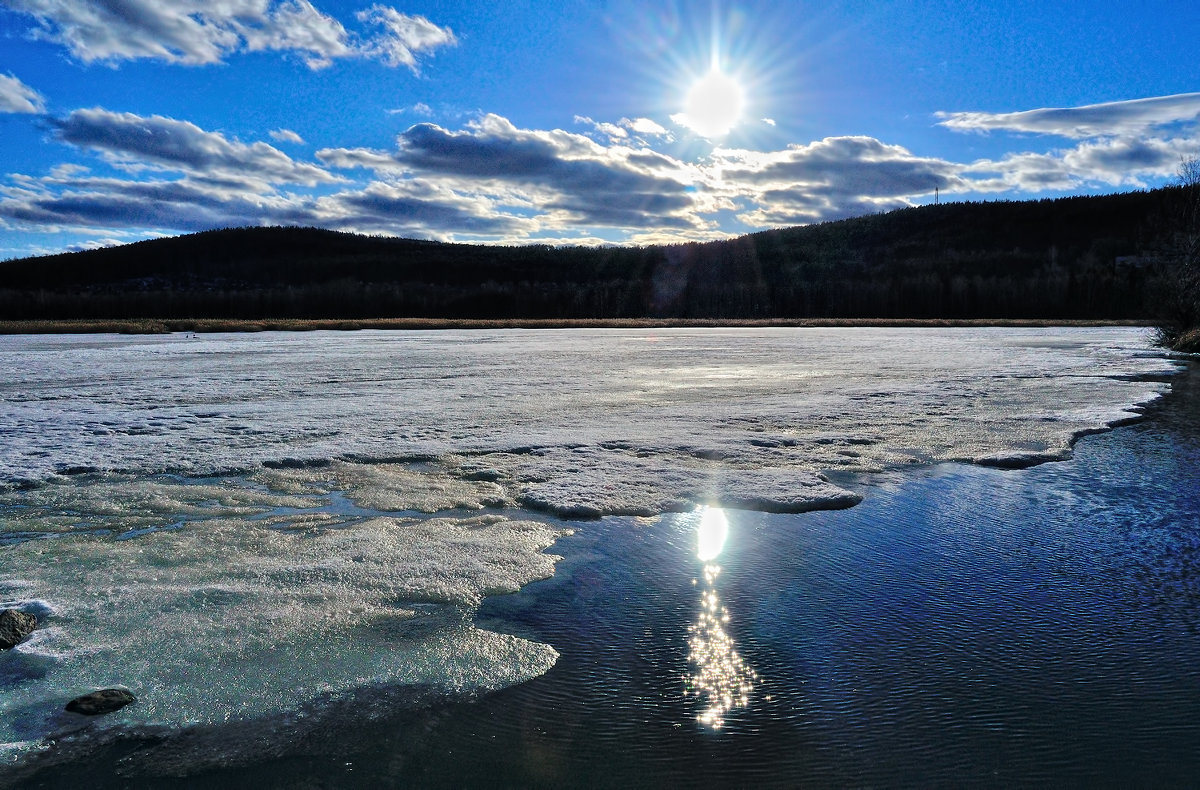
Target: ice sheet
(225, 619)
(559, 416)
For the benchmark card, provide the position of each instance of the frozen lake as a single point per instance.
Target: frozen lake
(272, 535)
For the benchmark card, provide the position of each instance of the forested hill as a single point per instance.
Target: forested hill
(1081, 257)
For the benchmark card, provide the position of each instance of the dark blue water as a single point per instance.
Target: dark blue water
(963, 626)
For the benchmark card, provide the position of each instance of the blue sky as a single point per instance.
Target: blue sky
(571, 122)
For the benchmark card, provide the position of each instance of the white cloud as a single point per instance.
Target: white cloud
(96, 244)
(189, 204)
(166, 143)
(420, 108)
(644, 126)
(769, 121)
(610, 130)
(203, 31)
(405, 36)
(1110, 119)
(287, 136)
(613, 131)
(828, 179)
(67, 170)
(422, 208)
(851, 166)
(17, 97)
(1126, 143)
(492, 181)
(569, 177)
(1130, 162)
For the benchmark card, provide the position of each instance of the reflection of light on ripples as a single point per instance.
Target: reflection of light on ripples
(721, 680)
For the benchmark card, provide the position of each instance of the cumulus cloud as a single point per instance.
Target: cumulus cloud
(852, 165)
(1110, 119)
(1129, 161)
(122, 203)
(582, 182)
(591, 183)
(225, 183)
(199, 31)
(490, 180)
(828, 179)
(189, 204)
(1126, 143)
(417, 208)
(125, 138)
(17, 97)
(286, 136)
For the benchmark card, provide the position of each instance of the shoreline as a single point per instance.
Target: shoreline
(155, 326)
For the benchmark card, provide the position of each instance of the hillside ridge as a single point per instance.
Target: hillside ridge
(1088, 257)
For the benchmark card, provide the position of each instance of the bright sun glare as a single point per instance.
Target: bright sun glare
(713, 105)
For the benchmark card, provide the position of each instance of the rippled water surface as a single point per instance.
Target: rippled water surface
(963, 626)
(349, 560)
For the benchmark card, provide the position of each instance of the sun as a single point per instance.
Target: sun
(713, 105)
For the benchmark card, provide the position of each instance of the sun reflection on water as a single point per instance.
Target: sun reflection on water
(711, 533)
(721, 679)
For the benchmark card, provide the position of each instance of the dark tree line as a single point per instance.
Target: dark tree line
(1177, 291)
(1082, 257)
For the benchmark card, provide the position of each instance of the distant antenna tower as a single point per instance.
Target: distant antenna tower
(936, 196)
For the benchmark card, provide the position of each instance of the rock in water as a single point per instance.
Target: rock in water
(103, 701)
(15, 626)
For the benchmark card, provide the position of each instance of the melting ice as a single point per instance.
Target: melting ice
(233, 526)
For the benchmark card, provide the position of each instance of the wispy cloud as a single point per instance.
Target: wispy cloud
(17, 97)
(96, 244)
(286, 136)
(1111, 119)
(404, 36)
(201, 32)
(420, 108)
(612, 131)
(644, 126)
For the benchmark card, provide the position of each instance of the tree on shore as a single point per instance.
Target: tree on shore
(1179, 305)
